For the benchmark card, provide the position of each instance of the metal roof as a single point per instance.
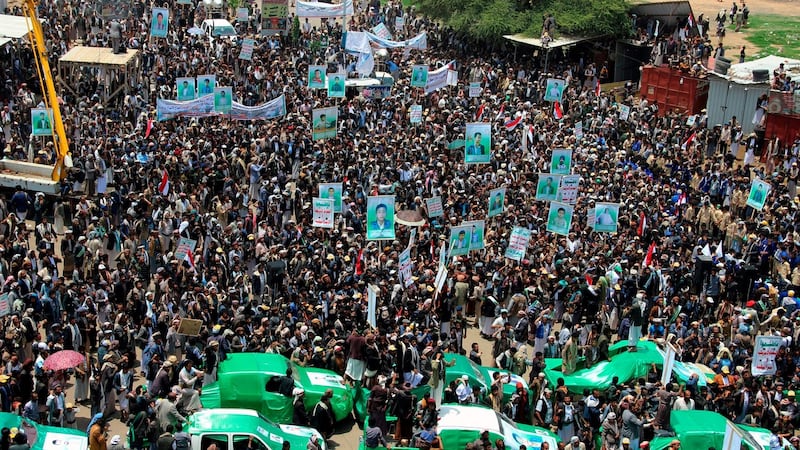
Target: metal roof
(14, 27)
(98, 56)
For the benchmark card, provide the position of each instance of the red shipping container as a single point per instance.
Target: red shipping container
(673, 90)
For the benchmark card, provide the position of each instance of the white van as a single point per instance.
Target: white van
(215, 28)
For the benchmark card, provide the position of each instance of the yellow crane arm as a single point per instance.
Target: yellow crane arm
(49, 89)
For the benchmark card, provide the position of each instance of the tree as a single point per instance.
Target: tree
(489, 20)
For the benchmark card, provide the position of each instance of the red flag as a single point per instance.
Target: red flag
(642, 224)
(558, 113)
(163, 186)
(359, 262)
(682, 199)
(597, 89)
(479, 112)
(189, 258)
(690, 21)
(689, 140)
(500, 113)
(648, 258)
(588, 279)
(149, 128)
(530, 134)
(511, 124)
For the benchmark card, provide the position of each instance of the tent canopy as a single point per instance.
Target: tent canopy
(561, 41)
(743, 73)
(669, 13)
(14, 27)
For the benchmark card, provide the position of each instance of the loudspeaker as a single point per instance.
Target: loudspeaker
(761, 76)
(721, 65)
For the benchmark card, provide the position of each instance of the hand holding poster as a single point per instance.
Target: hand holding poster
(434, 206)
(559, 218)
(460, 240)
(497, 198)
(322, 215)
(478, 143)
(759, 191)
(332, 191)
(624, 112)
(324, 123)
(547, 187)
(185, 88)
(561, 161)
(475, 89)
(568, 189)
(206, 84)
(247, 49)
(404, 266)
(518, 243)
(223, 99)
(764, 354)
(380, 217)
(159, 24)
(605, 219)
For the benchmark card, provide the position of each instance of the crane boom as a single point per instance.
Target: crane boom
(49, 89)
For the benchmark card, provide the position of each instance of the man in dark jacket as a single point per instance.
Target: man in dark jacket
(299, 413)
(322, 415)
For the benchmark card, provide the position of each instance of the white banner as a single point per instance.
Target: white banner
(317, 9)
(372, 304)
(438, 78)
(764, 355)
(518, 243)
(204, 107)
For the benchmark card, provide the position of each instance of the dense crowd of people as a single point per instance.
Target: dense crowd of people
(96, 270)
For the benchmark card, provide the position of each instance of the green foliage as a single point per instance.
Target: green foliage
(491, 19)
(296, 30)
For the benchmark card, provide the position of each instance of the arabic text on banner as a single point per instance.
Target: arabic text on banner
(185, 245)
(568, 189)
(322, 215)
(518, 243)
(764, 355)
(404, 263)
(416, 113)
(434, 205)
(318, 9)
(204, 107)
(247, 49)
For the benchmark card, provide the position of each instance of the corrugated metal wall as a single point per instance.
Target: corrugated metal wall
(727, 99)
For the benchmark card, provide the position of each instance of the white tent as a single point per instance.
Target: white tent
(13, 27)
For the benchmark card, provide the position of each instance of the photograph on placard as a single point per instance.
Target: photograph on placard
(380, 217)
(759, 191)
(332, 191)
(419, 76)
(561, 161)
(223, 99)
(316, 77)
(324, 123)
(159, 24)
(206, 84)
(477, 230)
(460, 240)
(478, 143)
(336, 84)
(605, 217)
(555, 90)
(185, 87)
(559, 218)
(42, 122)
(547, 187)
(497, 198)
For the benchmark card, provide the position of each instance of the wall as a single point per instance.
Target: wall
(727, 99)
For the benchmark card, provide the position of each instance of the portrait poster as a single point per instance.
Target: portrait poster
(561, 161)
(568, 189)
(419, 76)
(478, 143)
(554, 90)
(518, 243)
(316, 77)
(380, 217)
(159, 24)
(322, 212)
(497, 200)
(434, 206)
(206, 85)
(559, 218)
(459, 240)
(223, 99)
(336, 84)
(185, 87)
(547, 187)
(332, 191)
(476, 234)
(759, 191)
(42, 121)
(624, 112)
(274, 17)
(324, 122)
(605, 217)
